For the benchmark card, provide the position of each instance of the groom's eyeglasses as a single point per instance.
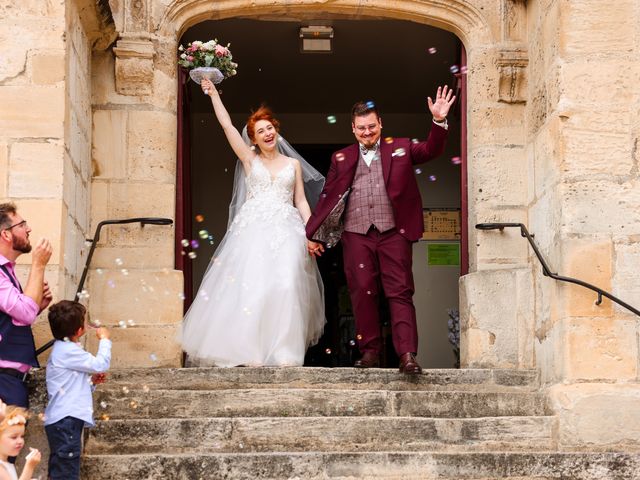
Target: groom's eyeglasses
(19, 224)
(361, 128)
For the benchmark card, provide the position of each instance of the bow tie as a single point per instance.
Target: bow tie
(364, 150)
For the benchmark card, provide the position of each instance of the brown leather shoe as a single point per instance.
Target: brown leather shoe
(409, 365)
(368, 360)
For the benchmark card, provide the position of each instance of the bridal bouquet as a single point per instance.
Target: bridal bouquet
(207, 60)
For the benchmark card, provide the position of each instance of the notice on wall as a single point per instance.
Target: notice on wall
(447, 254)
(441, 224)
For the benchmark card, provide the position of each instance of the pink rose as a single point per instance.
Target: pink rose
(190, 58)
(221, 51)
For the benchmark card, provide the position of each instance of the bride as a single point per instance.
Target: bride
(261, 299)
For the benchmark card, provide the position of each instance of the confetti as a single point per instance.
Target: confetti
(331, 119)
(454, 69)
(125, 390)
(199, 218)
(119, 261)
(203, 234)
(370, 104)
(339, 158)
(456, 160)
(195, 244)
(328, 351)
(399, 152)
(388, 139)
(192, 255)
(418, 171)
(432, 50)
(432, 178)
(184, 242)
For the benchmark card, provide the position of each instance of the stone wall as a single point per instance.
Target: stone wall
(582, 130)
(33, 137)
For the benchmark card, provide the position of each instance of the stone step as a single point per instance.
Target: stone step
(143, 403)
(369, 465)
(329, 434)
(326, 378)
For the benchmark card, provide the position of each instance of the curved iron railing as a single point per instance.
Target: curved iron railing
(546, 271)
(94, 241)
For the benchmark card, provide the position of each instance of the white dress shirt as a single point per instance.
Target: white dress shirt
(69, 386)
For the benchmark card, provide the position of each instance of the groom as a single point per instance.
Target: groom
(373, 184)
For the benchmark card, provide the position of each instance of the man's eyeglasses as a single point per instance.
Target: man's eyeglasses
(363, 128)
(23, 223)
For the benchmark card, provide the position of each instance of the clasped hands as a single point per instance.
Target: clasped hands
(315, 249)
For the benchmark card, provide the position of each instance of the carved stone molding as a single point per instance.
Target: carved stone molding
(134, 65)
(512, 68)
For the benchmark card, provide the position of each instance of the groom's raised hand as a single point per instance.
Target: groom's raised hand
(440, 108)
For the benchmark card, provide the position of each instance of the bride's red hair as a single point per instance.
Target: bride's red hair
(263, 113)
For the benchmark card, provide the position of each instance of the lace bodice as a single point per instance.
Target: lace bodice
(260, 184)
(270, 201)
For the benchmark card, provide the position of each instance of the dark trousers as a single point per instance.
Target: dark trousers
(381, 258)
(13, 391)
(65, 445)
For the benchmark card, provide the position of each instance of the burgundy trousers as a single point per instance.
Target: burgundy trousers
(381, 258)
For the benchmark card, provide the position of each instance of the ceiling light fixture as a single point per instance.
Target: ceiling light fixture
(316, 39)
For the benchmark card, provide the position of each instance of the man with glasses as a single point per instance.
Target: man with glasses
(375, 184)
(19, 308)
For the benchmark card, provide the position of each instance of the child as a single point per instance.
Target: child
(12, 424)
(71, 371)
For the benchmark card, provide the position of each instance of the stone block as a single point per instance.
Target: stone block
(625, 282)
(158, 255)
(142, 346)
(45, 218)
(145, 297)
(70, 180)
(494, 168)
(152, 146)
(597, 205)
(497, 323)
(547, 149)
(109, 144)
(45, 121)
(4, 170)
(612, 349)
(591, 152)
(501, 249)
(507, 124)
(589, 27)
(99, 208)
(27, 162)
(48, 68)
(597, 415)
(589, 260)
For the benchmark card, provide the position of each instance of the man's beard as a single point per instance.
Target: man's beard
(22, 246)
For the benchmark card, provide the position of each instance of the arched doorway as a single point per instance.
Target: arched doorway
(396, 63)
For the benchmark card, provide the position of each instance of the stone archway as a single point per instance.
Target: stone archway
(496, 57)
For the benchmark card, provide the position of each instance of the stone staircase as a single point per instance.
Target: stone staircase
(317, 423)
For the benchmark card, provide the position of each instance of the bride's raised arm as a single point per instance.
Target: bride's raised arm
(241, 149)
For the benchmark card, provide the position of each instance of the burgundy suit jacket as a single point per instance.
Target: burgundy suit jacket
(399, 180)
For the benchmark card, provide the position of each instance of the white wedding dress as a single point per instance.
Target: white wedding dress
(261, 301)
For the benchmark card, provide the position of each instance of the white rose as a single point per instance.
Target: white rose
(183, 56)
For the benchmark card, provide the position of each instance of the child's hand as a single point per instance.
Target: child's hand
(33, 458)
(102, 332)
(98, 378)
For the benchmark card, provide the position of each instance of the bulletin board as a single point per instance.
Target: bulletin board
(442, 224)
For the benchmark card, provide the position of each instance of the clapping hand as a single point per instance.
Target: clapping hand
(440, 108)
(33, 457)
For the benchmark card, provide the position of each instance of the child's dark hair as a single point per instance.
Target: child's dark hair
(66, 318)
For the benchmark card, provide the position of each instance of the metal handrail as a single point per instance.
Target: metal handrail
(546, 271)
(94, 241)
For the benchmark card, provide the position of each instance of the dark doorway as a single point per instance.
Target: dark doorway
(305, 91)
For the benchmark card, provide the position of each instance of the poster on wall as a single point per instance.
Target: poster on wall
(443, 254)
(442, 224)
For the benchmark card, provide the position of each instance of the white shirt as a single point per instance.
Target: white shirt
(69, 371)
(11, 470)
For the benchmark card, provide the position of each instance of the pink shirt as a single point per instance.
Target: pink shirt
(22, 309)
